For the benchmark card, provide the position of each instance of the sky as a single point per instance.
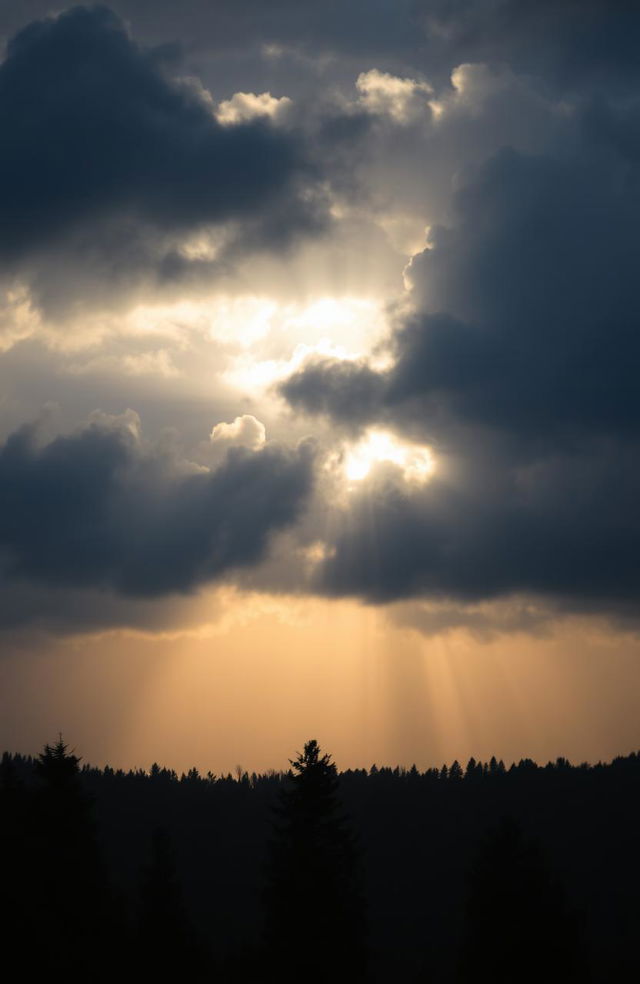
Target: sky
(319, 409)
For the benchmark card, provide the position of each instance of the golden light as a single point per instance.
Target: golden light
(415, 461)
(291, 334)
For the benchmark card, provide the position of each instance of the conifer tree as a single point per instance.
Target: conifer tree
(315, 919)
(518, 924)
(71, 901)
(167, 949)
(455, 771)
(473, 772)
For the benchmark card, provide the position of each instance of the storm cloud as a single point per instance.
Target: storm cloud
(517, 364)
(571, 42)
(107, 156)
(473, 166)
(97, 508)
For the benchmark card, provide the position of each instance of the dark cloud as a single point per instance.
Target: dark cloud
(519, 365)
(99, 143)
(350, 392)
(568, 42)
(97, 509)
(483, 622)
(565, 528)
(532, 307)
(225, 24)
(538, 283)
(517, 362)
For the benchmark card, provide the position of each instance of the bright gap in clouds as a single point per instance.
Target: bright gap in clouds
(377, 446)
(245, 319)
(254, 339)
(276, 339)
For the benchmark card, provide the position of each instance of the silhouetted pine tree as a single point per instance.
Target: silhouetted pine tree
(315, 924)
(518, 926)
(73, 912)
(167, 948)
(473, 772)
(455, 771)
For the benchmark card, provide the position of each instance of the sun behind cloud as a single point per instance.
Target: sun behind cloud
(416, 461)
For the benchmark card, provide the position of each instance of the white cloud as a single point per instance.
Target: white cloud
(244, 106)
(246, 431)
(403, 100)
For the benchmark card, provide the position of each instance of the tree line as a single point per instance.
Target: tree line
(458, 874)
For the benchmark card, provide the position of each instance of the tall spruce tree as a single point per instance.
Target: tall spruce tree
(167, 948)
(74, 923)
(518, 924)
(315, 925)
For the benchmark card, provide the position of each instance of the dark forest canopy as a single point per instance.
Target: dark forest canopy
(448, 875)
(25, 765)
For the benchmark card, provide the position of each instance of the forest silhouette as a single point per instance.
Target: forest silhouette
(474, 874)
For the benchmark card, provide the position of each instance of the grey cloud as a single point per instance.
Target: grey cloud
(98, 509)
(518, 362)
(116, 171)
(526, 307)
(565, 529)
(519, 365)
(483, 622)
(347, 391)
(101, 145)
(91, 124)
(236, 23)
(571, 43)
(539, 287)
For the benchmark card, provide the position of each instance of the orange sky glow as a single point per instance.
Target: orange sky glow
(250, 690)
